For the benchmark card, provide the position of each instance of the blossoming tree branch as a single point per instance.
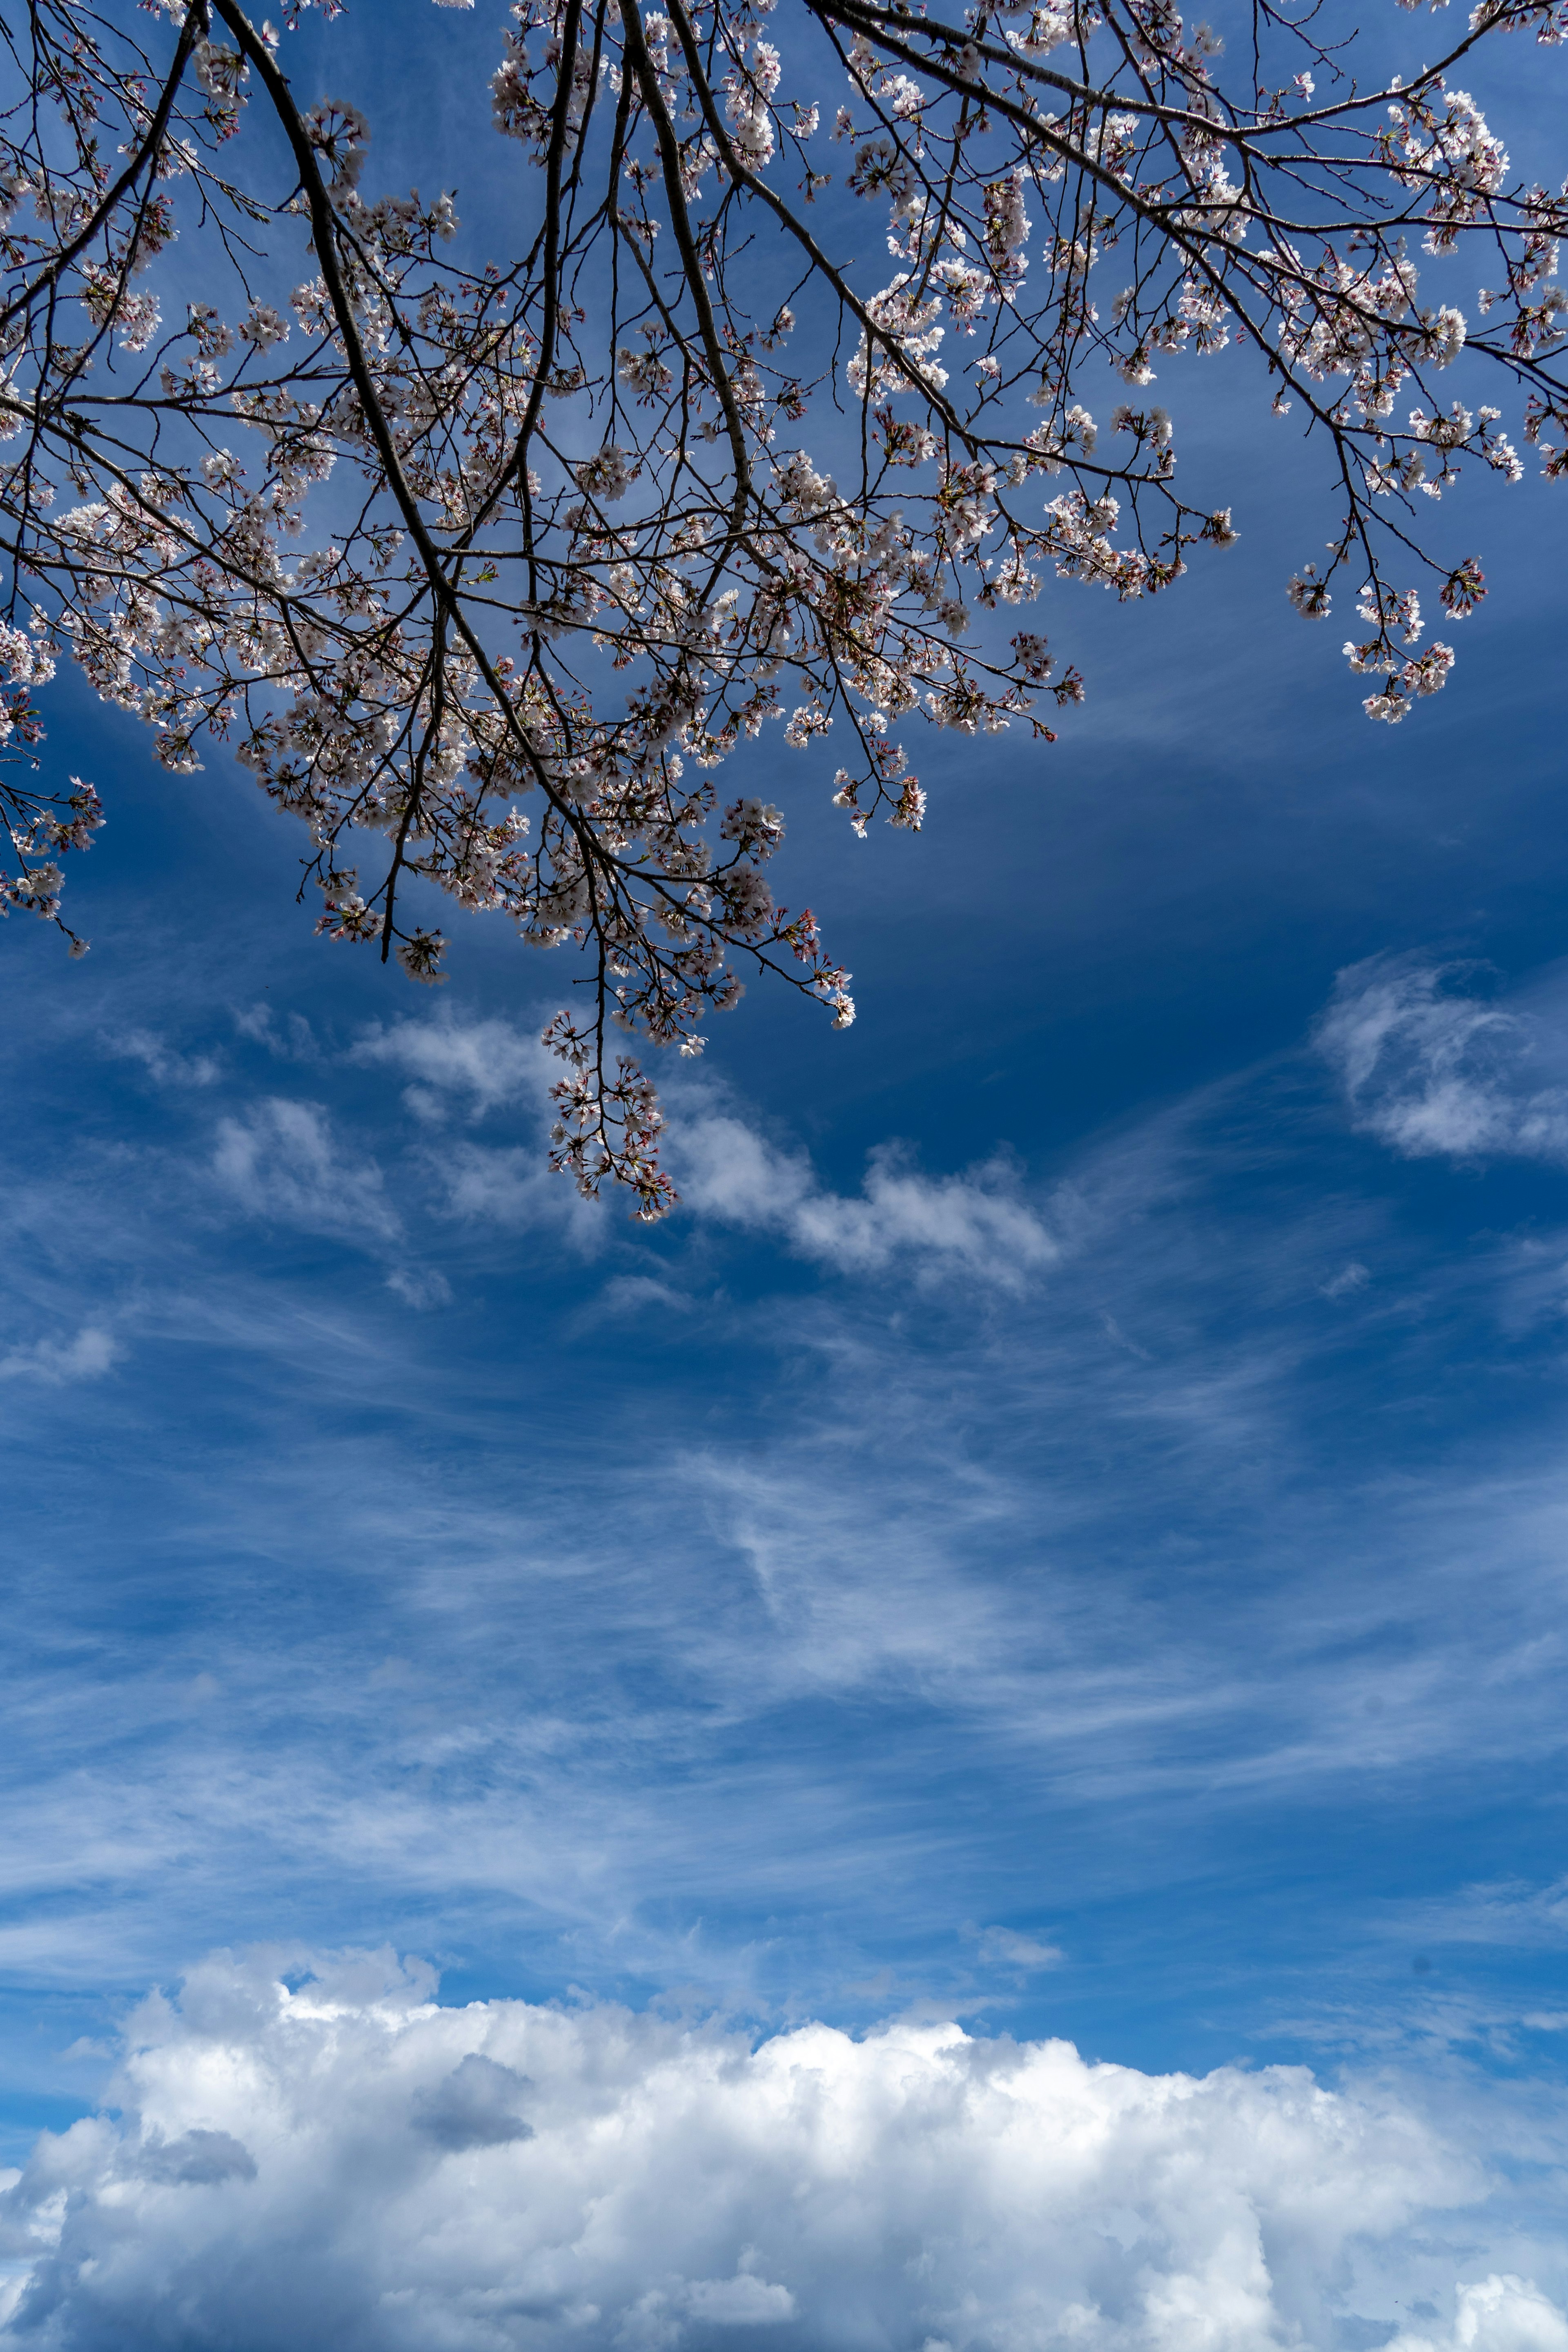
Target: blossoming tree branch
(485, 565)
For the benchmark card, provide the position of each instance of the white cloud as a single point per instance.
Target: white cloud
(495, 1185)
(1006, 1945)
(1499, 2314)
(345, 2161)
(1511, 1913)
(281, 1163)
(1432, 1071)
(483, 1063)
(974, 1224)
(297, 1043)
(513, 1187)
(420, 1285)
(632, 1294)
(51, 1364)
(162, 1062)
(476, 1067)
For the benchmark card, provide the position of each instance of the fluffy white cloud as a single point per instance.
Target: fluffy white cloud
(1431, 1070)
(481, 1063)
(974, 1223)
(1497, 2315)
(280, 1161)
(344, 2163)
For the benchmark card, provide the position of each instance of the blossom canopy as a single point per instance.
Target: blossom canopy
(485, 564)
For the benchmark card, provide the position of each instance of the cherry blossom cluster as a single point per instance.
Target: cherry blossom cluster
(828, 330)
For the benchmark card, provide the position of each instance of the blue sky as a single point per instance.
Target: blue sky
(1063, 1531)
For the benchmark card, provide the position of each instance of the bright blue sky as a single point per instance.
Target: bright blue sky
(1111, 1586)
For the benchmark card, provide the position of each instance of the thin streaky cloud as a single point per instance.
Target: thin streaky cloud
(280, 1161)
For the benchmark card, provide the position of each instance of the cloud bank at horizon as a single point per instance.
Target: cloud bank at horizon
(304, 2158)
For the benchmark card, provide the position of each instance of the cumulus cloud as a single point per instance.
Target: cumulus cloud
(1433, 1068)
(1497, 2315)
(295, 2158)
(974, 1224)
(282, 1162)
(198, 2159)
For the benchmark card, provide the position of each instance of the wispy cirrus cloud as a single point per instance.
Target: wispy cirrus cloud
(52, 1363)
(164, 1062)
(1012, 1951)
(289, 1039)
(1507, 1912)
(280, 1160)
(281, 1163)
(1433, 1067)
(803, 1591)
